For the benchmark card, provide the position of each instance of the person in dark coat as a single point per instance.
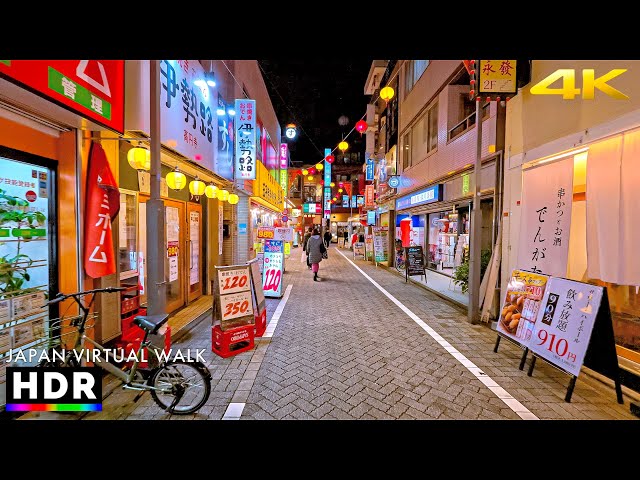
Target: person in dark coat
(327, 238)
(307, 236)
(315, 249)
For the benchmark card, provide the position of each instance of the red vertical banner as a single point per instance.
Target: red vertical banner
(369, 196)
(103, 204)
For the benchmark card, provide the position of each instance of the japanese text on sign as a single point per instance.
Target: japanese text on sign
(232, 281)
(564, 325)
(546, 217)
(245, 136)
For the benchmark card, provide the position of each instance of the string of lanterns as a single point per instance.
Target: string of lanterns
(139, 158)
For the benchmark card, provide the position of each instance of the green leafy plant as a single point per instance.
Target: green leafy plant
(13, 272)
(461, 274)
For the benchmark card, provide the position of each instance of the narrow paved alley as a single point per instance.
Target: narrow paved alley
(342, 348)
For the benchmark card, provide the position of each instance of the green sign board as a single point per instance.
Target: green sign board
(465, 183)
(65, 86)
(28, 232)
(4, 232)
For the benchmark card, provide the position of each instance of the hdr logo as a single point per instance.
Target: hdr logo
(589, 84)
(32, 389)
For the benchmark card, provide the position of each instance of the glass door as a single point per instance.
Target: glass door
(194, 250)
(174, 268)
(27, 276)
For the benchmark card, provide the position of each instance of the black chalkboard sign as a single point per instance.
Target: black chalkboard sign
(415, 260)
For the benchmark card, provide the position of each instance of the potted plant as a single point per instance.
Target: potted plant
(461, 274)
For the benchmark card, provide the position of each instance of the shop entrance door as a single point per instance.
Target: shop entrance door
(194, 251)
(174, 259)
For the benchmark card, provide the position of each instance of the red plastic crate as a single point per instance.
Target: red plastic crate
(130, 301)
(130, 331)
(233, 341)
(133, 344)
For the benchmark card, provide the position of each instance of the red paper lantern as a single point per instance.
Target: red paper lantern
(361, 126)
(312, 170)
(330, 159)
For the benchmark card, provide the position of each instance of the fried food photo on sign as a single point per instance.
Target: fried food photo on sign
(511, 312)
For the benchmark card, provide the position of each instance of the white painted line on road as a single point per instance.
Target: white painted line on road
(501, 393)
(271, 326)
(234, 411)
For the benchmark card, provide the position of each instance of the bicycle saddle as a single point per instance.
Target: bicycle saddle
(151, 323)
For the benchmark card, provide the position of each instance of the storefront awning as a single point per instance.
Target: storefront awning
(266, 204)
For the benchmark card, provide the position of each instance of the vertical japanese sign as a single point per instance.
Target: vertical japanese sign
(369, 196)
(546, 217)
(92, 88)
(103, 205)
(381, 243)
(327, 205)
(345, 201)
(565, 321)
(284, 181)
(521, 305)
(245, 135)
(327, 182)
(220, 227)
(273, 268)
(224, 158)
(194, 236)
(370, 169)
(284, 158)
(172, 227)
(186, 121)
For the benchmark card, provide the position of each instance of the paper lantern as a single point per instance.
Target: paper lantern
(139, 158)
(223, 195)
(176, 179)
(335, 199)
(387, 93)
(332, 184)
(343, 146)
(312, 171)
(330, 159)
(310, 178)
(305, 172)
(319, 166)
(340, 190)
(197, 187)
(211, 190)
(361, 126)
(233, 199)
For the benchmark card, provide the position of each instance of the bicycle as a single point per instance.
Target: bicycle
(400, 263)
(170, 383)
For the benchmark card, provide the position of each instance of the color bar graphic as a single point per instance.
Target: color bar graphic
(54, 407)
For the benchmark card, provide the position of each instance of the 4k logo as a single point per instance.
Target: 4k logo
(589, 84)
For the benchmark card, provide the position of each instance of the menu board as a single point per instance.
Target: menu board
(415, 260)
(27, 305)
(521, 305)
(5, 341)
(256, 282)
(232, 296)
(563, 328)
(381, 243)
(358, 251)
(368, 243)
(273, 268)
(5, 311)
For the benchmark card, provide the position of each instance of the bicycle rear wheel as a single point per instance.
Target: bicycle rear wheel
(183, 387)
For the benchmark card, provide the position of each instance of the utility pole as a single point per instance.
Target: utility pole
(157, 299)
(476, 226)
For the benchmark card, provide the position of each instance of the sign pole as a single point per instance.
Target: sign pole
(155, 205)
(476, 225)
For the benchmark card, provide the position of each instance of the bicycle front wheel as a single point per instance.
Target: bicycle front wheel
(400, 266)
(180, 387)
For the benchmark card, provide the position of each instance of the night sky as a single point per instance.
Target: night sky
(313, 94)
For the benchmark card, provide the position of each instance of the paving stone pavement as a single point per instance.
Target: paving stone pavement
(343, 350)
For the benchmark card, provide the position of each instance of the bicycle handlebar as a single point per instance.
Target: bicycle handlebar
(60, 297)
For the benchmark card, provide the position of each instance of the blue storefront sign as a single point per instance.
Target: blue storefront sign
(370, 169)
(371, 217)
(421, 197)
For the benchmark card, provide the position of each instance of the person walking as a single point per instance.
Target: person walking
(327, 238)
(315, 250)
(307, 236)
